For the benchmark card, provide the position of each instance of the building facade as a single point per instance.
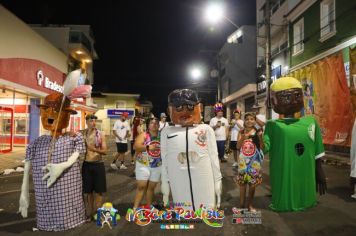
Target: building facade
(112, 105)
(322, 36)
(237, 63)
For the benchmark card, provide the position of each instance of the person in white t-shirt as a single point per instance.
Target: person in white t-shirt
(221, 128)
(235, 126)
(121, 131)
(162, 123)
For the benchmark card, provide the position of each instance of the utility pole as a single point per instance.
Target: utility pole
(268, 58)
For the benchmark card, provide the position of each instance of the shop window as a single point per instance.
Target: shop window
(327, 19)
(298, 37)
(20, 126)
(5, 126)
(120, 104)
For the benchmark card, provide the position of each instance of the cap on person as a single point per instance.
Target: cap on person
(54, 100)
(180, 97)
(163, 115)
(125, 114)
(237, 110)
(91, 117)
(218, 107)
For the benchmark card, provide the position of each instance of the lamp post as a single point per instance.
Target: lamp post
(268, 61)
(214, 12)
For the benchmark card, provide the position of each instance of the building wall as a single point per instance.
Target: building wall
(17, 41)
(345, 28)
(58, 36)
(239, 61)
(109, 102)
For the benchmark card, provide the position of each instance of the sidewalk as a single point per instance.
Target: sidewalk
(15, 158)
(12, 160)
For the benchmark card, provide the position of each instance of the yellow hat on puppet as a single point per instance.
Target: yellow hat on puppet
(285, 83)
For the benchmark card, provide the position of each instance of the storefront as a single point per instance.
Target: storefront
(23, 83)
(326, 86)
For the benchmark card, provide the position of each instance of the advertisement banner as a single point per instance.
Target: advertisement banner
(327, 98)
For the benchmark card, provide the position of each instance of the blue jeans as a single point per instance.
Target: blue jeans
(221, 149)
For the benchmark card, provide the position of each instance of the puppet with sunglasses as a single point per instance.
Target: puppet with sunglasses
(190, 163)
(295, 149)
(55, 170)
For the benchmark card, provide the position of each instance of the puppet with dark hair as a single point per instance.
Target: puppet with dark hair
(190, 164)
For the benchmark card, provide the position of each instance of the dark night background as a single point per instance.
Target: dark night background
(144, 46)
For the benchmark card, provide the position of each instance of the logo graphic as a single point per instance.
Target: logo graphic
(201, 139)
(108, 215)
(311, 131)
(244, 216)
(248, 148)
(172, 136)
(145, 216)
(299, 149)
(157, 152)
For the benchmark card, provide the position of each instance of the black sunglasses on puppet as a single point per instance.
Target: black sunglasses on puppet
(184, 107)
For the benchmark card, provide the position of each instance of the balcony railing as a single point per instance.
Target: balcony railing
(80, 37)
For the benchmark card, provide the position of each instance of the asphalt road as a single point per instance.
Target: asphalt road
(335, 213)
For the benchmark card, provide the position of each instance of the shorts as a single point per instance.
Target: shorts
(147, 173)
(233, 145)
(94, 178)
(121, 147)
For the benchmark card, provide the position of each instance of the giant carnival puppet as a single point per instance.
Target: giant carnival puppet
(189, 155)
(54, 163)
(295, 149)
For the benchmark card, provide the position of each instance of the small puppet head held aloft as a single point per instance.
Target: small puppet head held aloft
(184, 107)
(49, 111)
(287, 96)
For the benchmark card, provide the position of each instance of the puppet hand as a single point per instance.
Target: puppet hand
(24, 203)
(320, 178)
(165, 192)
(53, 172)
(218, 189)
(25, 192)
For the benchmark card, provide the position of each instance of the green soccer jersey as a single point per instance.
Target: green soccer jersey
(293, 146)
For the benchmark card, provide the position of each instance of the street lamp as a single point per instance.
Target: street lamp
(196, 73)
(214, 12)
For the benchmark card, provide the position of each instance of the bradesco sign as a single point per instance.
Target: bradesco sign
(45, 82)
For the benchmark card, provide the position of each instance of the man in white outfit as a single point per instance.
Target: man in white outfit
(221, 129)
(190, 164)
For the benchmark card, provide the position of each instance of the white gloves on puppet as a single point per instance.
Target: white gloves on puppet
(54, 172)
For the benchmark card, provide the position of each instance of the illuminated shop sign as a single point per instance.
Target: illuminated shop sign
(44, 81)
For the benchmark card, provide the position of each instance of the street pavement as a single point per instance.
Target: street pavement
(335, 213)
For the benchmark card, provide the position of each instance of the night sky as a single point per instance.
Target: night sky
(144, 46)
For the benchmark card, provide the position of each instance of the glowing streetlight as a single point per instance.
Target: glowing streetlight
(196, 73)
(214, 12)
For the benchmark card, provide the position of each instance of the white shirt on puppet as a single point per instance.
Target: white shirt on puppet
(203, 161)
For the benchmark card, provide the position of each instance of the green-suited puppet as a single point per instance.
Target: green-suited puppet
(295, 149)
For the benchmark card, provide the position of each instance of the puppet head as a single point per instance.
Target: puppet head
(184, 107)
(49, 111)
(287, 96)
